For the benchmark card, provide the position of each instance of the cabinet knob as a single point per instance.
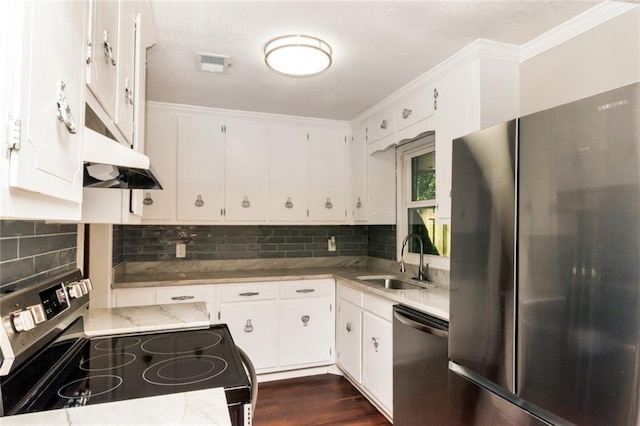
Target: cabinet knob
(64, 110)
(328, 204)
(383, 125)
(108, 50)
(147, 199)
(199, 201)
(128, 93)
(245, 202)
(289, 203)
(248, 327)
(375, 343)
(358, 203)
(349, 327)
(305, 320)
(406, 113)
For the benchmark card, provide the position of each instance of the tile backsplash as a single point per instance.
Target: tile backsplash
(153, 243)
(32, 250)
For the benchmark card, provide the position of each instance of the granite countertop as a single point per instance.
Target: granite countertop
(433, 300)
(101, 322)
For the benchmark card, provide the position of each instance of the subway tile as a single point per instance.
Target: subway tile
(290, 247)
(17, 228)
(270, 240)
(271, 254)
(297, 240)
(242, 255)
(298, 254)
(15, 270)
(45, 262)
(241, 240)
(8, 249)
(68, 256)
(286, 232)
(232, 247)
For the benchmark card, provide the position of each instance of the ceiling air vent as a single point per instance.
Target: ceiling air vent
(212, 62)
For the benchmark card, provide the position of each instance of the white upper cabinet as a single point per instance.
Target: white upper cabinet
(246, 170)
(359, 201)
(288, 173)
(381, 124)
(101, 78)
(128, 48)
(415, 107)
(162, 149)
(327, 165)
(200, 183)
(43, 101)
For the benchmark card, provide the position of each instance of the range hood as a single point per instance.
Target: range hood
(110, 164)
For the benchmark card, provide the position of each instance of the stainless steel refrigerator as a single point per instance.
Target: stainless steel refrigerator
(545, 267)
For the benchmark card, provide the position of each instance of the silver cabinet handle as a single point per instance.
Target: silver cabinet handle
(375, 343)
(358, 203)
(147, 199)
(248, 327)
(199, 201)
(128, 93)
(306, 290)
(328, 204)
(64, 111)
(383, 125)
(245, 202)
(305, 320)
(183, 297)
(349, 327)
(435, 99)
(249, 293)
(406, 113)
(289, 203)
(108, 50)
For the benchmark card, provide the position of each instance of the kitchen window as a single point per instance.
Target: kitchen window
(417, 203)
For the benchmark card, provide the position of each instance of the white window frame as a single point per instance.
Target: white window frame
(404, 154)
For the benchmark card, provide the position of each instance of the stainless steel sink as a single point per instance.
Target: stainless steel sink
(393, 282)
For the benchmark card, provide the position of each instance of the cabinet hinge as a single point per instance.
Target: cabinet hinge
(15, 134)
(89, 52)
(307, 212)
(329, 351)
(345, 213)
(307, 135)
(218, 314)
(223, 212)
(330, 307)
(345, 139)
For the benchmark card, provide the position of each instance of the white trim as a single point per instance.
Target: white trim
(574, 27)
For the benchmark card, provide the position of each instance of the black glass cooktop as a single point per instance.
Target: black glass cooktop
(110, 369)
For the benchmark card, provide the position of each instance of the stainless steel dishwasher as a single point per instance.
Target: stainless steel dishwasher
(420, 368)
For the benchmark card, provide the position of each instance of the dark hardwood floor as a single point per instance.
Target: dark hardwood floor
(316, 400)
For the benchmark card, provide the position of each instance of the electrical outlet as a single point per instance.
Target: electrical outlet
(331, 244)
(181, 250)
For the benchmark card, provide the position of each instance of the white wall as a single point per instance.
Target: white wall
(600, 59)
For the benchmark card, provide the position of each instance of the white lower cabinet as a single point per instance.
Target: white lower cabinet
(377, 358)
(365, 344)
(133, 297)
(254, 328)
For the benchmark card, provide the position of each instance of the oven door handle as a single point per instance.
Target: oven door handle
(252, 377)
(419, 326)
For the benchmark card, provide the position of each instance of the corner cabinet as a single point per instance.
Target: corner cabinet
(365, 344)
(43, 102)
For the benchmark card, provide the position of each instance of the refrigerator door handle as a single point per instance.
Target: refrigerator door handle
(419, 326)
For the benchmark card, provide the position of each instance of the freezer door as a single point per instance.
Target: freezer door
(579, 259)
(482, 253)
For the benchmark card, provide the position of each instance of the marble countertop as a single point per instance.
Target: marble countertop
(189, 408)
(100, 322)
(433, 301)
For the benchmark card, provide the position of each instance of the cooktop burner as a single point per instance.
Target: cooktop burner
(117, 368)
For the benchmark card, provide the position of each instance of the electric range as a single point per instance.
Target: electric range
(48, 362)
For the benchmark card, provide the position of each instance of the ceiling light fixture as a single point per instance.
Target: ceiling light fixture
(298, 55)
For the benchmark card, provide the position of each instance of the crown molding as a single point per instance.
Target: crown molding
(573, 27)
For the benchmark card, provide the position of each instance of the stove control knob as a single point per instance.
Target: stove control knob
(75, 290)
(23, 321)
(38, 313)
(87, 283)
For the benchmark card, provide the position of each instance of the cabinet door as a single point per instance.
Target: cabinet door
(349, 330)
(126, 95)
(200, 186)
(381, 182)
(328, 177)
(306, 331)
(162, 130)
(415, 108)
(359, 202)
(104, 44)
(254, 327)
(134, 297)
(246, 170)
(377, 358)
(381, 125)
(48, 83)
(288, 173)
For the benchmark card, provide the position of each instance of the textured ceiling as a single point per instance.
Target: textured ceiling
(378, 48)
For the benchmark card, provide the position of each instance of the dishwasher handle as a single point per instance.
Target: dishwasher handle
(420, 326)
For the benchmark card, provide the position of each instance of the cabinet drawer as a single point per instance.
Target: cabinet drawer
(380, 125)
(380, 307)
(247, 293)
(350, 295)
(182, 294)
(306, 288)
(414, 108)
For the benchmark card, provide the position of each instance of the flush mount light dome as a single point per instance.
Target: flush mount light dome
(297, 55)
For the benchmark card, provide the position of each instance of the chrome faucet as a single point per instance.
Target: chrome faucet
(422, 270)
